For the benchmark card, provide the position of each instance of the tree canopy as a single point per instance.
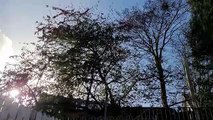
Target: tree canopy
(200, 42)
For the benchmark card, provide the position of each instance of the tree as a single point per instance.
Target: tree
(85, 52)
(152, 31)
(78, 55)
(200, 40)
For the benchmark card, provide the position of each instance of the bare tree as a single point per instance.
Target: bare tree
(151, 31)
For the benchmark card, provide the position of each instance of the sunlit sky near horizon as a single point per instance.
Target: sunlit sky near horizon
(18, 18)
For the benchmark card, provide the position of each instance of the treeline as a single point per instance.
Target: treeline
(158, 55)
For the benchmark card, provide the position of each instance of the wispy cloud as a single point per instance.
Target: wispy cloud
(5, 49)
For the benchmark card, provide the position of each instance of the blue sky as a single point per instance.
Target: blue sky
(18, 17)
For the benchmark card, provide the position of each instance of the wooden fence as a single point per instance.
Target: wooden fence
(12, 111)
(204, 113)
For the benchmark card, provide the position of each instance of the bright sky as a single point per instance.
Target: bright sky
(18, 17)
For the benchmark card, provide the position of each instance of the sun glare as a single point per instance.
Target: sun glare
(14, 93)
(6, 50)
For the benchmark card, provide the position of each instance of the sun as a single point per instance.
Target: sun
(14, 93)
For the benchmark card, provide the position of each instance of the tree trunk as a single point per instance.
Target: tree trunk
(163, 94)
(109, 92)
(88, 94)
(189, 81)
(162, 82)
(107, 89)
(105, 105)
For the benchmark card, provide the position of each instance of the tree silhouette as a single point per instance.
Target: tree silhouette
(152, 31)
